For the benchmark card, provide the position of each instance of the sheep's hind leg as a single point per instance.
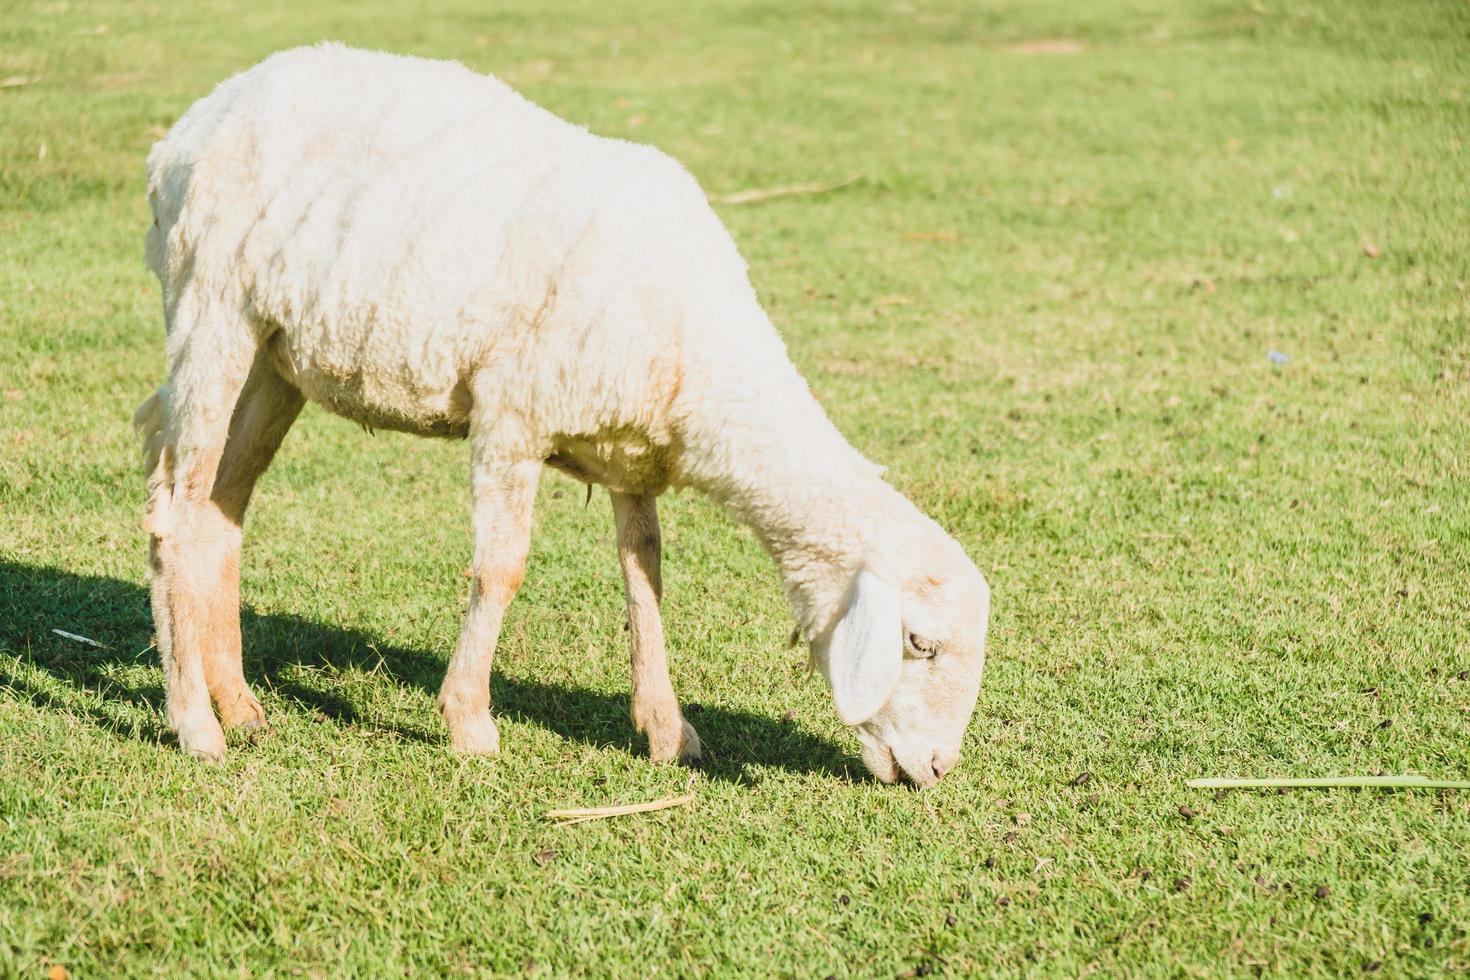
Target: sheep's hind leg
(504, 495)
(655, 708)
(185, 426)
(267, 407)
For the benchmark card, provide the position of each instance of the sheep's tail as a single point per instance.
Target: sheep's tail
(150, 422)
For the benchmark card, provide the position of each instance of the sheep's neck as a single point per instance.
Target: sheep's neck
(816, 505)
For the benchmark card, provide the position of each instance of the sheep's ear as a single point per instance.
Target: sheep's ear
(864, 655)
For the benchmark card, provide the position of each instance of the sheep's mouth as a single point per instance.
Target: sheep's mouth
(881, 763)
(898, 774)
(889, 770)
(886, 768)
(884, 763)
(910, 779)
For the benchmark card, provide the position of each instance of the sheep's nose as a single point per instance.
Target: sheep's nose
(943, 762)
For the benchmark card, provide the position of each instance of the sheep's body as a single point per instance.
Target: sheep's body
(417, 247)
(415, 239)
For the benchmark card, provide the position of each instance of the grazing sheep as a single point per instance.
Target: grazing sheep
(416, 247)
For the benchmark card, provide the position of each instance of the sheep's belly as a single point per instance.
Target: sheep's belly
(386, 406)
(624, 460)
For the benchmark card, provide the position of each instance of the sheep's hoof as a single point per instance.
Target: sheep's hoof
(476, 737)
(242, 711)
(204, 740)
(691, 750)
(687, 750)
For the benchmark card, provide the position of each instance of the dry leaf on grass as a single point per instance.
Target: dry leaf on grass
(1370, 249)
(565, 818)
(15, 81)
(785, 190)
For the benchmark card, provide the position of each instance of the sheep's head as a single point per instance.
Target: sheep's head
(904, 657)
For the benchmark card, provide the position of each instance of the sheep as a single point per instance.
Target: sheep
(418, 248)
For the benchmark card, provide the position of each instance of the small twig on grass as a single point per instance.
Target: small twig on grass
(1329, 782)
(565, 818)
(81, 639)
(785, 190)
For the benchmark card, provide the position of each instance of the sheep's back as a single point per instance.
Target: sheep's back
(393, 225)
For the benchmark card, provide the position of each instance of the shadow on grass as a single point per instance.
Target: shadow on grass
(89, 682)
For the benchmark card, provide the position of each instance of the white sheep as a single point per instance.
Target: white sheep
(416, 247)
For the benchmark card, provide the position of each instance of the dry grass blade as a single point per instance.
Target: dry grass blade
(1331, 782)
(565, 818)
(785, 190)
(81, 639)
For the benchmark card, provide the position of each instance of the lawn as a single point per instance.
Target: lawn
(1162, 309)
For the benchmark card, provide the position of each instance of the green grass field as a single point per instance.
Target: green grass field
(1046, 304)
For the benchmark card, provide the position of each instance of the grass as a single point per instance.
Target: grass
(1205, 563)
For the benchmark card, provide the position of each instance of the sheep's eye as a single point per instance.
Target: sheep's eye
(922, 648)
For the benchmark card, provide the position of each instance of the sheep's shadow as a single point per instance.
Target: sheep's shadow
(102, 685)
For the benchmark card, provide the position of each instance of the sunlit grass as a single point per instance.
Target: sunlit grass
(1046, 304)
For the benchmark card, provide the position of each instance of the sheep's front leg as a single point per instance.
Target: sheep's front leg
(504, 495)
(655, 709)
